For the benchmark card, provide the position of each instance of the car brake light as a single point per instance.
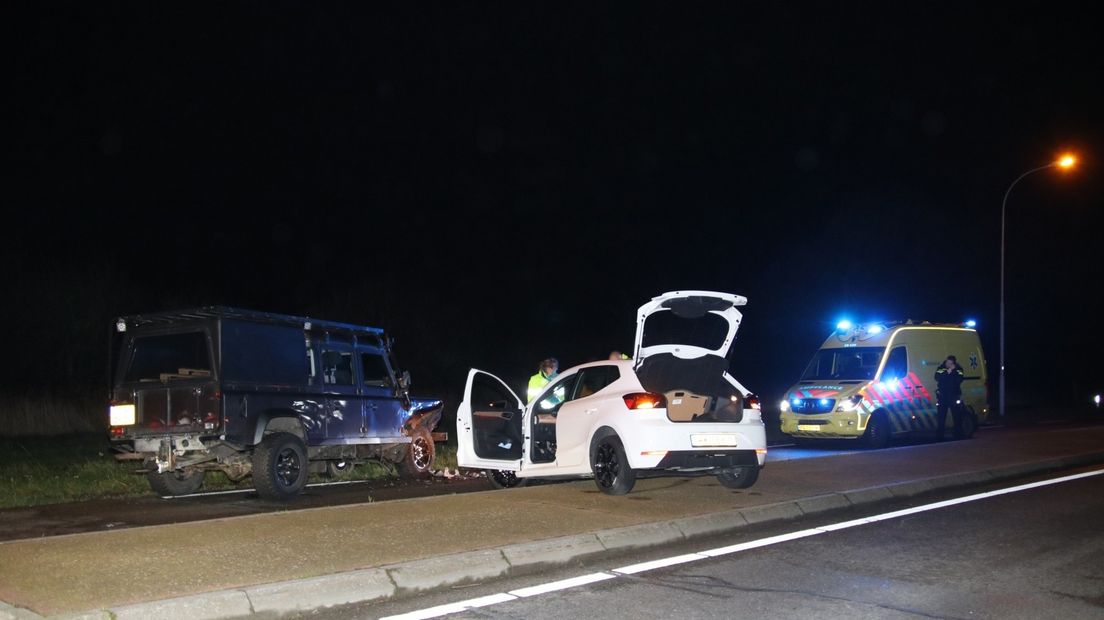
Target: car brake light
(751, 401)
(644, 400)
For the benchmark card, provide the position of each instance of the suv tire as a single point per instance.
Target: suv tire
(173, 483)
(280, 466)
(420, 454)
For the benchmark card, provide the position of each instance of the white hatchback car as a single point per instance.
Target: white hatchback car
(671, 410)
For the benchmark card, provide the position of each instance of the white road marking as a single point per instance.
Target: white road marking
(654, 564)
(561, 585)
(555, 586)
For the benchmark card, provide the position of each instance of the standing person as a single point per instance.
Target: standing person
(545, 373)
(949, 392)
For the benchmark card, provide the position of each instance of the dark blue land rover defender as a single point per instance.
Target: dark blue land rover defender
(270, 395)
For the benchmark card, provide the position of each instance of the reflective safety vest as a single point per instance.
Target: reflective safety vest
(536, 384)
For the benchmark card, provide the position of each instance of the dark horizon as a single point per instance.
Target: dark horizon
(494, 187)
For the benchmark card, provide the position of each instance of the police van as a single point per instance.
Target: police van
(877, 381)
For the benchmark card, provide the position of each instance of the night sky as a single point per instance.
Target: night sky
(497, 183)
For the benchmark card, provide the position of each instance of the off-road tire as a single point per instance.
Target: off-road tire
(878, 432)
(420, 455)
(172, 483)
(503, 479)
(280, 466)
(738, 477)
(612, 472)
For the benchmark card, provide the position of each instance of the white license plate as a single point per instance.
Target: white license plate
(808, 427)
(712, 440)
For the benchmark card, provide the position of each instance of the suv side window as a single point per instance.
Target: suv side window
(557, 395)
(375, 370)
(896, 366)
(337, 367)
(595, 379)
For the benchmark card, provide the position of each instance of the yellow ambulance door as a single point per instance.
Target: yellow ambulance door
(966, 347)
(893, 393)
(925, 355)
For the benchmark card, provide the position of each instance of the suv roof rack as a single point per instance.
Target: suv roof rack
(225, 312)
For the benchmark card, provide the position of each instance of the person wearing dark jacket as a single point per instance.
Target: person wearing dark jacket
(948, 393)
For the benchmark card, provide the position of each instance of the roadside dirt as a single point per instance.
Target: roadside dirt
(109, 514)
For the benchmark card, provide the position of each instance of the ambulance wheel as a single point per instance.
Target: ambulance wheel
(738, 477)
(503, 479)
(967, 426)
(877, 431)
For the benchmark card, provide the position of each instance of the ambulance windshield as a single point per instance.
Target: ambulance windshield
(851, 364)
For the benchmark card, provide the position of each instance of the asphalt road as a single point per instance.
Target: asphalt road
(1035, 553)
(107, 514)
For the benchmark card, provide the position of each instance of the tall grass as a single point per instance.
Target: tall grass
(50, 470)
(48, 414)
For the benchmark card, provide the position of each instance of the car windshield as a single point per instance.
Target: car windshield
(707, 331)
(170, 356)
(850, 364)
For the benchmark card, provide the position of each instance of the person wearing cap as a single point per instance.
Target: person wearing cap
(545, 373)
(948, 393)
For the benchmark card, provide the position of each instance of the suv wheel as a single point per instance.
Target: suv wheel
(280, 466)
(738, 477)
(418, 462)
(175, 482)
(612, 473)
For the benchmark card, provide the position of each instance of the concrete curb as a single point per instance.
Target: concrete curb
(385, 582)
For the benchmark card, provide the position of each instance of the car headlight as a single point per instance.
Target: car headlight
(850, 404)
(784, 406)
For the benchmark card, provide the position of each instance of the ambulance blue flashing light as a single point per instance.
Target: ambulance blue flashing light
(843, 325)
(823, 402)
(796, 401)
(874, 329)
(971, 323)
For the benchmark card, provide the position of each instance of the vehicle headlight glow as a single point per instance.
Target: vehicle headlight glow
(784, 405)
(122, 415)
(850, 404)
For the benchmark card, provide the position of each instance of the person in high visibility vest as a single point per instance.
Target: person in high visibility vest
(546, 372)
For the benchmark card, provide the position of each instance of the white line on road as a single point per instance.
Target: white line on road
(505, 597)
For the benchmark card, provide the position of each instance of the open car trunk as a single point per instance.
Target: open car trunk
(682, 340)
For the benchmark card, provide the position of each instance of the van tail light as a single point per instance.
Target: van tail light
(751, 401)
(644, 400)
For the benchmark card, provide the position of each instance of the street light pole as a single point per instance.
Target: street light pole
(1065, 162)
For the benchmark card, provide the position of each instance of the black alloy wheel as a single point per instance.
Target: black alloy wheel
(505, 479)
(612, 473)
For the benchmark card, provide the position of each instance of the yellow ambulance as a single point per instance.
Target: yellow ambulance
(877, 381)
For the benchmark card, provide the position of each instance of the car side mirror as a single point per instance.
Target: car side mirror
(404, 380)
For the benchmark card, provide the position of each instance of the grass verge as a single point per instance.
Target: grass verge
(69, 468)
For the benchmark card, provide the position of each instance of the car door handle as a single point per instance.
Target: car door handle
(590, 411)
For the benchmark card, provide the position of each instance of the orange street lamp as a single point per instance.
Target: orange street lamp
(1065, 162)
